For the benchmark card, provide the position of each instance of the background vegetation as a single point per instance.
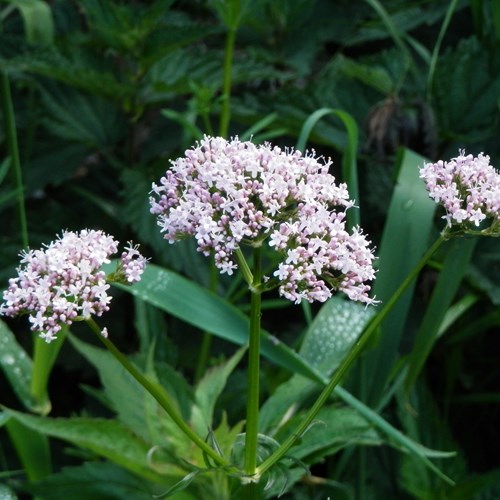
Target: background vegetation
(106, 92)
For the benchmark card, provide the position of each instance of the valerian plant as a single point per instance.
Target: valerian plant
(230, 196)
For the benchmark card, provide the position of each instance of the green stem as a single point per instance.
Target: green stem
(226, 86)
(244, 268)
(357, 348)
(252, 420)
(13, 149)
(44, 357)
(159, 394)
(206, 342)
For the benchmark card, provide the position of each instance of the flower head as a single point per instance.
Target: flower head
(467, 187)
(229, 193)
(64, 282)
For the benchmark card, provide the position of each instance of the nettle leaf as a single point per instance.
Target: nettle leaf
(81, 118)
(95, 480)
(108, 438)
(17, 366)
(467, 83)
(54, 162)
(76, 71)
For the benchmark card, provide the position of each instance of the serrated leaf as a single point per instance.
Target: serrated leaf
(208, 390)
(107, 438)
(90, 120)
(95, 480)
(121, 389)
(333, 429)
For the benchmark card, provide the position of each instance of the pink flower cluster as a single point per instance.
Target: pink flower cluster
(467, 187)
(229, 193)
(63, 282)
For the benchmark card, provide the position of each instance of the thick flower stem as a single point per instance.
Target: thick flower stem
(358, 347)
(159, 394)
(44, 357)
(252, 420)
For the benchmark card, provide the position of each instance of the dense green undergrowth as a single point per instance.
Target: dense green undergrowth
(105, 93)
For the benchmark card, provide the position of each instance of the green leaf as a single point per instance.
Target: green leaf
(329, 338)
(76, 117)
(16, 365)
(37, 18)
(123, 391)
(108, 438)
(6, 493)
(208, 390)
(95, 480)
(31, 447)
(333, 429)
(476, 98)
(4, 168)
(450, 277)
(376, 77)
(205, 310)
(349, 164)
(404, 241)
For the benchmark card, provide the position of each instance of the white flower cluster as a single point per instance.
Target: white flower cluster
(467, 187)
(228, 193)
(63, 282)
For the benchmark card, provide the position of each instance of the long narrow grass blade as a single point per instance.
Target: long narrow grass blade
(190, 302)
(437, 47)
(404, 241)
(455, 266)
(349, 165)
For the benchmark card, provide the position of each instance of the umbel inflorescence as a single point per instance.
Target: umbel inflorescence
(468, 188)
(227, 194)
(64, 282)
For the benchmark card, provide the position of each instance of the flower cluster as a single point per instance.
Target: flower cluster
(467, 187)
(64, 282)
(229, 193)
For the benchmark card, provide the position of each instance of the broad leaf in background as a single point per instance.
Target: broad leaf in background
(123, 391)
(208, 390)
(16, 365)
(195, 305)
(454, 267)
(98, 481)
(349, 163)
(107, 438)
(404, 241)
(329, 338)
(38, 21)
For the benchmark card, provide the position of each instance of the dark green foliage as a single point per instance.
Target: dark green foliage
(107, 92)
